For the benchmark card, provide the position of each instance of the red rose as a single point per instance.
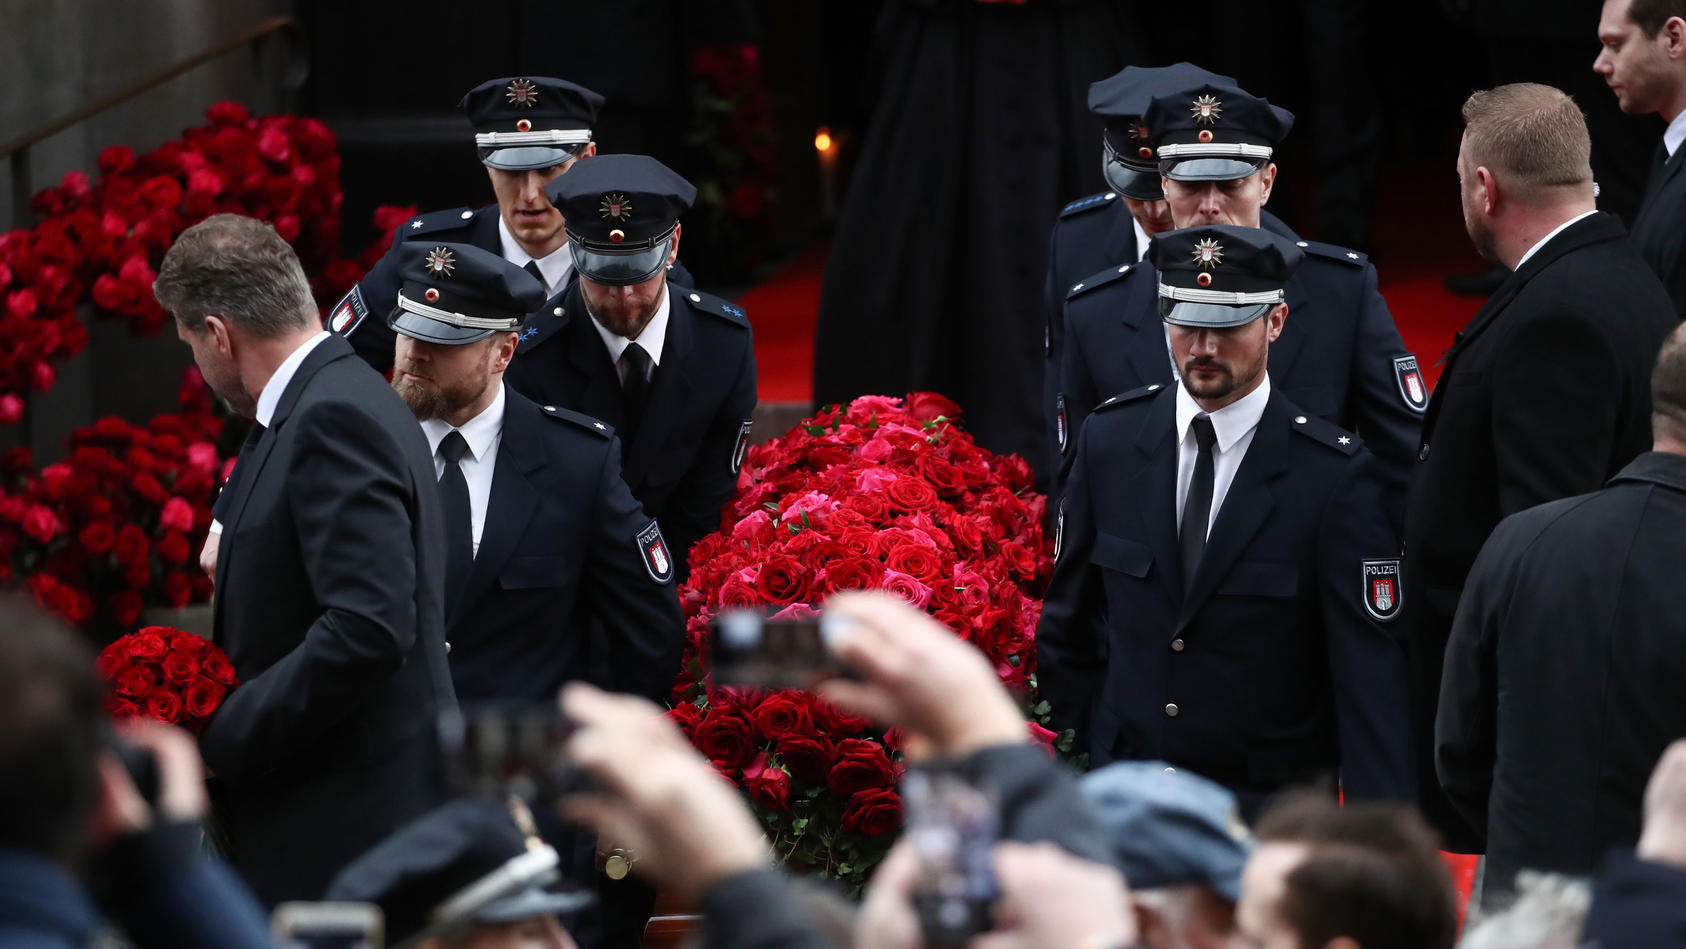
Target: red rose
(121, 708)
(178, 589)
(768, 786)
(928, 406)
(854, 574)
(726, 737)
(98, 537)
(135, 681)
(163, 705)
(216, 667)
(204, 697)
(873, 812)
(910, 494)
(149, 487)
(859, 764)
(687, 716)
(919, 562)
(174, 548)
(908, 588)
(180, 668)
(11, 408)
(782, 580)
(1019, 560)
(125, 607)
(1043, 737)
(148, 644)
(177, 515)
(834, 720)
(739, 590)
(808, 759)
(41, 523)
(783, 715)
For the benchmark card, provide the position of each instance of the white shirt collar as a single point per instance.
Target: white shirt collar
(1141, 238)
(555, 265)
(270, 397)
(651, 338)
(1547, 239)
(1675, 134)
(481, 432)
(1228, 423)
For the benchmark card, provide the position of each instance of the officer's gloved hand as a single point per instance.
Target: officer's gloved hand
(919, 677)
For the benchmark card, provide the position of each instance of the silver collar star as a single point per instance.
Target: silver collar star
(1344, 440)
(415, 224)
(1352, 255)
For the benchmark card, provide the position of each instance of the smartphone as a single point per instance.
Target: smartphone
(750, 649)
(952, 824)
(503, 750)
(328, 926)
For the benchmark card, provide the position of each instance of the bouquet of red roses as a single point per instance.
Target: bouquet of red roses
(166, 674)
(883, 494)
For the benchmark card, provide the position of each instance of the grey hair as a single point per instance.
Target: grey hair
(237, 268)
(1548, 913)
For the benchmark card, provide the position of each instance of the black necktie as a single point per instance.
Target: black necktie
(1197, 508)
(226, 495)
(459, 519)
(532, 267)
(635, 390)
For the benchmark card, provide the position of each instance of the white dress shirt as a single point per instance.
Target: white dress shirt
(1141, 239)
(1675, 134)
(650, 338)
(556, 265)
(483, 433)
(1555, 231)
(1234, 425)
(270, 396)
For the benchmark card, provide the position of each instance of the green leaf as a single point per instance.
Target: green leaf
(1042, 708)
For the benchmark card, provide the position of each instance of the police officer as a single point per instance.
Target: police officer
(553, 571)
(1340, 358)
(470, 873)
(671, 369)
(1113, 227)
(528, 130)
(1246, 588)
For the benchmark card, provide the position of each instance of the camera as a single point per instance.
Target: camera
(503, 750)
(952, 826)
(750, 649)
(302, 925)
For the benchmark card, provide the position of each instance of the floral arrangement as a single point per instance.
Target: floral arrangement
(166, 674)
(883, 494)
(735, 153)
(119, 522)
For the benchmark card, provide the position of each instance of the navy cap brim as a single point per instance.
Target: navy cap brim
(619, 270)
(1215, 315)
(430, 330)
(1211, 169)
(1136, 184)
(524, 157)
(531, 902)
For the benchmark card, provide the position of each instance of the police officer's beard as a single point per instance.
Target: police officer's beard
(429, 398)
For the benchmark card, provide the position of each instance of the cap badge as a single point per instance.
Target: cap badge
(616, 208)
(617, 235)
(525, 125)
(440, 263)
(431, 295)
(1206, 110)
(523, 93)
(1139, 134)
(1208, 253)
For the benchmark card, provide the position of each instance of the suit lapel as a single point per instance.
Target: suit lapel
(1291, 343)
(1156, 499)
(592, 382)
(1659, 180)
(514, 498)
(1151, 356)
(1246, 506)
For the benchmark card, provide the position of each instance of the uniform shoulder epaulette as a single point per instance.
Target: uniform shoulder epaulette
(726, 310)
(1327, 433)
(1345, 255)
(1082, 205)
(540, 327)
(1109, 275)
(434, 221)
(581, 419)
(1125, 398)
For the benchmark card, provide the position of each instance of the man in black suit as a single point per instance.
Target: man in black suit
(1340, 358)
(1246, 587)
(1544, 394)
(1643, 60)
(329, 577)
(542, 535)
(1561, 682)
(528, 131)
(671, 369)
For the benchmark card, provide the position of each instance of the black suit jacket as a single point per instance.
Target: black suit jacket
(1544, 395)
(1339, 356)
(1562, 679)
(329, 603)
(1659, 230)
(360, 315)
(1637, 904)
(683, 463)
(559, 550)
(1269, 671)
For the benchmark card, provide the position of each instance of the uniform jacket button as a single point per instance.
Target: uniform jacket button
(1177, 645)
(1170, 771)
(447, 649)
(1171, 710)
(1422, 453)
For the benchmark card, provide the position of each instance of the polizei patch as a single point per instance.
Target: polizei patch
(349, 312)
(1410, 379)
(1381, 589)
(657, 558)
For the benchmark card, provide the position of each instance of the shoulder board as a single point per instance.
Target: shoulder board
(434, 221)
(1125, 398)
(581, 419)
(1101, 279)
(708, 303)
(1090, 203)
(1327, 433)
(540, 327)
(1335, 252)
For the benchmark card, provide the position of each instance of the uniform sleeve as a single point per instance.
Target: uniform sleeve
(1391, 428)
(1637, 904)
(371, 337)
(353, 499)
(693, 511)
(166, 895)
(1070, 655)
(1076, 386)
(643, 630)
(1367, 660)
(1556, 394)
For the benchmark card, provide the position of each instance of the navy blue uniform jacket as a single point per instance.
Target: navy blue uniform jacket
(683, 462)
(1276, 670)
(558, 552)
